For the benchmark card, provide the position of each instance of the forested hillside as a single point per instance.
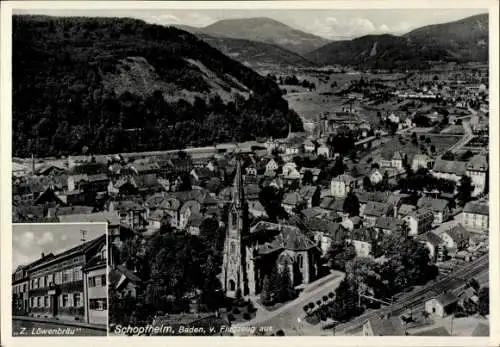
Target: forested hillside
(110, 85)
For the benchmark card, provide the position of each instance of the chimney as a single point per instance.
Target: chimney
(43, 255)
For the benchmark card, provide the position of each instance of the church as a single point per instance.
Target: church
(251, 253)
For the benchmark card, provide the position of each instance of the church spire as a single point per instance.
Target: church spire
(238, 189)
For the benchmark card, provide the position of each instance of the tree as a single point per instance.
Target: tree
(339, 254)
(339, 167)
(448, 156)
(308, 178)
(465, 190)
(367, 184)
(484, 301)
(287, 291)
(351, 205)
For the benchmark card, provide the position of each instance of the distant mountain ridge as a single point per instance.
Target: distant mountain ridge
(461, 41)
(262, 29)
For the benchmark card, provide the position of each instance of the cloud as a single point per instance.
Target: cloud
(46, 238)
(164, 19)
(338, 27)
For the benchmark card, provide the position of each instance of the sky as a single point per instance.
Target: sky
(29, 241)
(330, 24)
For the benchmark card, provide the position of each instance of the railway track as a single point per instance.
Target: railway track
(467, 271)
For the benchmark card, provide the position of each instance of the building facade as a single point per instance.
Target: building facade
(96, 288)
(56, 283)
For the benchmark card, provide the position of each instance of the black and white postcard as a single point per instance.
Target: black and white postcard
(274, 169)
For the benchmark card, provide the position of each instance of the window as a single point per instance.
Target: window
(32, 302)
(92, 282)
(103, 280)
(98, 304)
(77, 274)
(300, 261)
(103, 253)
(234, 220)
(233, 248)
(42, 282)
(77, 300)
(39, 302)
(46, 301)
(65, 300)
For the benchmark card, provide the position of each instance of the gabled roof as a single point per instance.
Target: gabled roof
(478, 163)
(430, 237)
(376, 209)
(388, 223)
(292, 198)
(449, 166)
(439, 331)
(481, 330)
(386, 327)
(343, 178)
(436, 205)
(446, 299)
(458, 233)
(477, 207)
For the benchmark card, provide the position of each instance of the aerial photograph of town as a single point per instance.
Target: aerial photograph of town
(260, 172)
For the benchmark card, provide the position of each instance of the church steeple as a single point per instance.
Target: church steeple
(238, 189)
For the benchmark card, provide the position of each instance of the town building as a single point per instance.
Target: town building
(56, 285)
(477, 170)
(441, 305)
(342, 185)
(475, 216)
(96, 288)
(419, 221)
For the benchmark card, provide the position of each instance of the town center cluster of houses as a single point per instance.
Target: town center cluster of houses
(137, 195)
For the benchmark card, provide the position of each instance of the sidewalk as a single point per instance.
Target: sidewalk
(61, 322)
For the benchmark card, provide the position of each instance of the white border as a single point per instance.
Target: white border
(5, 167)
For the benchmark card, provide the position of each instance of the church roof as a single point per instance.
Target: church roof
(285, 237)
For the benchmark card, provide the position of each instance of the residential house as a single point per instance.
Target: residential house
(398, 160)
(439, 207)
(421, 161)
(456, 238)
(256, 209)
(364, 197)
(171, 208)
(449, 170)
(477, 170)
(290, 172)
(364, 241)
(342, 185)
(405, 210)
(309, 146)
(291, 200)
(375, 176)
(326, 233)
(388, 225)
(194, 223)
(324, 150)
(441, 305)
(310, 195)
(419, 221)
(378, 326)
(132, 213)
(475, 216)
(373, 211)
(125, 282)
(188, 208)
(333, 205)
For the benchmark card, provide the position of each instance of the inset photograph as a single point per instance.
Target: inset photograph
(59, 280)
